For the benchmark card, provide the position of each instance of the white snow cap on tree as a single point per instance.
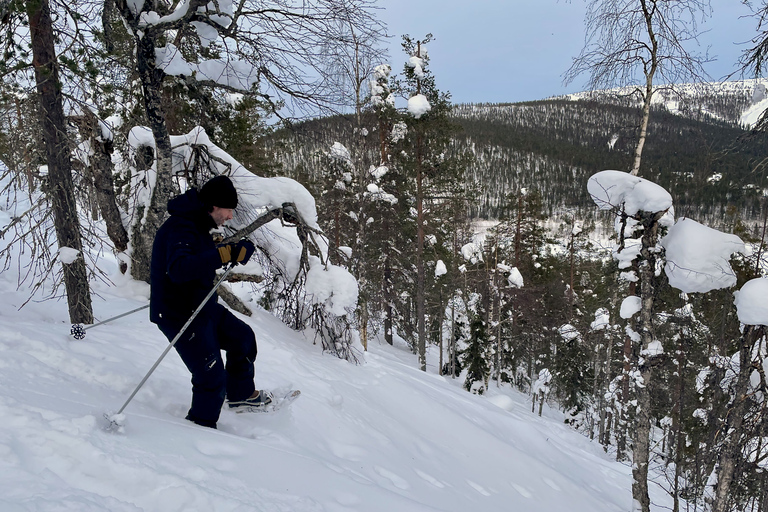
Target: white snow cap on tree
(697, 257)
(752, 302)
(542, 382)
(630, 306)
(440, 269)
(472, 252)
(340, 152)
(576, 230)
(68, 255)
(568, 332)
(333, 287)
(379, 87)
(515, 278)
(418, 105)
(631, 250)
(235, 74)
(602, 320)
(417, 63)
(612, 189)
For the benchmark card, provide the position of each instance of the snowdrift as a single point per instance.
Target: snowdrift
(380, 436)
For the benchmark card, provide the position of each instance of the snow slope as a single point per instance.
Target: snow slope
(380, 436)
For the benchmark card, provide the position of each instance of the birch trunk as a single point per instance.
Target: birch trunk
(732, 447)
(641, 445)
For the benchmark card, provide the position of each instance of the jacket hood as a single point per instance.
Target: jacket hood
(189, 206)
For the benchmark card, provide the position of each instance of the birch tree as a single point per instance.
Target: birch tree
(641, 46)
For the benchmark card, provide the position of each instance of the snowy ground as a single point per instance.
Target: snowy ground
(381, 436)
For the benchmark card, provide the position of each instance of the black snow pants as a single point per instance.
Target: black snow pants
(200, 348)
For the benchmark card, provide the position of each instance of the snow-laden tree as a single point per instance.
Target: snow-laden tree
(31, 58)
(742, 452)
(276, 51)
(297, 280)
(695, 258)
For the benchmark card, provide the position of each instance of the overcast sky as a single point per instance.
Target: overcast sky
(518, 50)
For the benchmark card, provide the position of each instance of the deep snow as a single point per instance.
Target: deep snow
(380, 436)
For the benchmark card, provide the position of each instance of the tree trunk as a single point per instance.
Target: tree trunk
(388, 298)
(643, 131)
(650, 72)
(420, 271)
(101, 171)
(60, 188)
(152, 215)
(641, 446)
(732, 447)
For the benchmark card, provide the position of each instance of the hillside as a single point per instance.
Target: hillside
(380, 436)
(697, 149)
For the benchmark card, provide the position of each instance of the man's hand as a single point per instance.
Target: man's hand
(239, 252)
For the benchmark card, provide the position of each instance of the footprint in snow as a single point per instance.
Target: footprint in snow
(552, 484)
(348, 451)
(398, 482)
(432, 480)
(217, 449)
(479, 488)
(522, 490)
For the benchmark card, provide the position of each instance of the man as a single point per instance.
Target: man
(182, 273)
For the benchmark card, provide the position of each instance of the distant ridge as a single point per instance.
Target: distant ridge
(698, 147)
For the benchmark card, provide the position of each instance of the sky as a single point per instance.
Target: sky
(518, 50)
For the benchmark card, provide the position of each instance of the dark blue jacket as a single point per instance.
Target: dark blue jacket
(184, 262)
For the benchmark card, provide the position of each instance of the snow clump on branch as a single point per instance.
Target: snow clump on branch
(697, 257)
(751, 306)
(612, 189)
(418, 105)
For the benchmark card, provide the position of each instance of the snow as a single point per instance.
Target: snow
(751, 304)
(576, 230)
(630, 306)
(541, 386)
(338, 151)
(472, 252)
(374, 437)
(332, 286)
(515, 278)
(612, 189)
(440, 269)
(602, 320)
(399, 131)
(380, 436)
(417, 64)
(418, 105)
(697, 257)
(232, 73)
(654, 348)
(631, 251)
(378, 194)
(67, 255)
(379, 172)
(568, 332)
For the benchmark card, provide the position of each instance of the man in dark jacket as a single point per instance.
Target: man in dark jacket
(184, 263)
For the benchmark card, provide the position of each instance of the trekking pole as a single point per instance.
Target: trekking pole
(78, 330)
(115, 420)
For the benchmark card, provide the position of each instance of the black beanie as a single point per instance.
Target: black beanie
(219, 191)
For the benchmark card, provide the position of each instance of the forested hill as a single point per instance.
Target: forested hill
(700, 153)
